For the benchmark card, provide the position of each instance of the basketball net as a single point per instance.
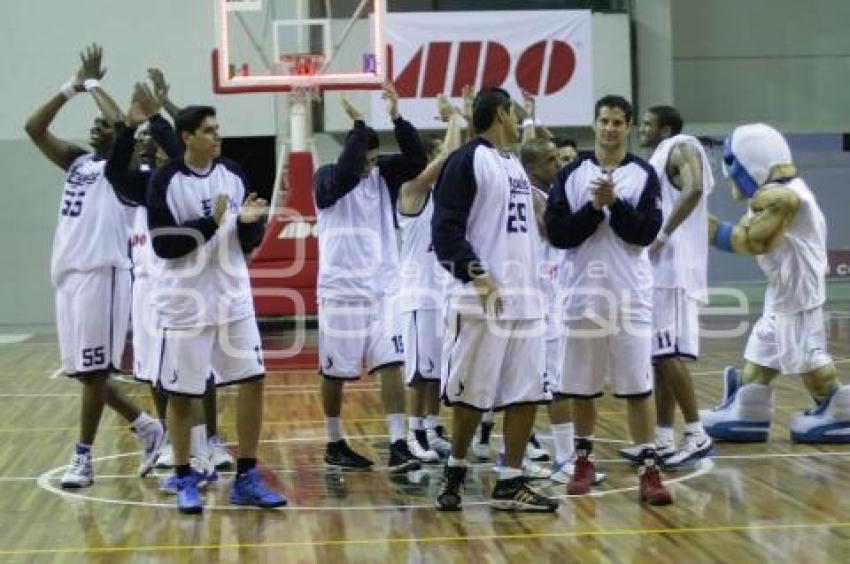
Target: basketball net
(304, 65)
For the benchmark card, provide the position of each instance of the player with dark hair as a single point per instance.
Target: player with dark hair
(605, 210)
(90, 270)
(567, 150)
(484, 234)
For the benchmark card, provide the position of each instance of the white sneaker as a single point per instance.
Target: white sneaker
(79, 473)
(530, 469)
(166, 456)
(692, 448)
(151, 436)
(221, 459)
(416, 449)
(538, 454)
(481, 451)
(562, 472)
(664, 450)
(438, 443)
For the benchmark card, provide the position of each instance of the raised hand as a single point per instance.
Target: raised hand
(160, 86)
(349, 108)
(143, 105)
(219, 208)
(390, 97)
(468, 102)
(528, 104)
(90, 63)
(444, 108)
(253, 209)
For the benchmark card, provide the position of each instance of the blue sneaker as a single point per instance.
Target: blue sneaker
(827, 422)
(202, 479)
(744, 415)
(188, 497)
(247, 490)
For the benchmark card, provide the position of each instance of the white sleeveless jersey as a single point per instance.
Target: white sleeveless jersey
(503, 233)
(682, 261)
(550, 266)
(210, 285)
(796, 269)
(422, 277)
(92, 229)
(140, 243)
(358, 247)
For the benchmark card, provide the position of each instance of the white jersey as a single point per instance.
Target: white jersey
(92, 229)
(422, 277)
(140, 244)
(797, 268)
(550, 267)
(209, 285)
(605, 276)
(494, 192)
(682, 261)
(358, 249)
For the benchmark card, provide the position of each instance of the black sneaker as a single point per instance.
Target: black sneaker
(448, 499)
(340, 455)
(516, 495)
(400, 458)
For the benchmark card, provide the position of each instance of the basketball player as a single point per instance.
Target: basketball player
(785, 230)
(679, 258)
(567, 150)
(605, 210)
(539, 157)
(484, 233)
(421, 297)
(202, 223)
(90, 271)
(355, 202)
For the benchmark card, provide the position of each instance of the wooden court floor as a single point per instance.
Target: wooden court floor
(752, 503)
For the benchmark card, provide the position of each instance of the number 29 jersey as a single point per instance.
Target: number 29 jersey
(92, 228)
(484, 213)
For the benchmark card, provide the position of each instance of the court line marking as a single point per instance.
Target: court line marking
(440, 539)
(14, 339)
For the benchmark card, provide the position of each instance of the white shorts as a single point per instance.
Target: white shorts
(352, 331)
(233, 351)
(675, 325)
(92, 314)
(554, 359)
(423, 339)
(493, 364)
(793, 343)
(594, 354)
(147, 335)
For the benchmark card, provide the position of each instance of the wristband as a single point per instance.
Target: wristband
(91, 83)
(663, 237)
(723, 237)
(69, 89)
(528, 121)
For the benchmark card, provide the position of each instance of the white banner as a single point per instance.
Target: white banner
(546, 52)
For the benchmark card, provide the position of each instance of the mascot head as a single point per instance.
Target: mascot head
(749, 155)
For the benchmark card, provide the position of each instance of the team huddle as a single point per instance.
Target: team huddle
(527, 274)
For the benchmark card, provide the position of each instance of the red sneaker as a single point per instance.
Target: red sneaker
(652, 490)
(583, 476)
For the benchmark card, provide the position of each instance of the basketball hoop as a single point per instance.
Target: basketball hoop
(304, 65)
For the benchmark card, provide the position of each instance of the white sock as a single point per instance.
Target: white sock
(508, 473)
(141, 420)
(415, 423)
(333, 429)
(664, 435)
(456, 462)
(695, 428)
(198, 446)
(563, 435)
(488, 416)
(395, 421)
(432, 421)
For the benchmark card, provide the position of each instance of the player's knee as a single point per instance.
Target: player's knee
(822, 381)
(755, 374)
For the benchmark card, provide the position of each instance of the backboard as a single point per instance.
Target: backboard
(285, 45)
